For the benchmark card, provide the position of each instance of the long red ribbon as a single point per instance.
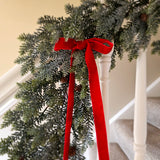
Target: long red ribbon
(96, 44)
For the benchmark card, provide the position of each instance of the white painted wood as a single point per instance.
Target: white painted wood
(92, 153)
(8, 84)
(140, 111)
(8, 105)
(104, 67)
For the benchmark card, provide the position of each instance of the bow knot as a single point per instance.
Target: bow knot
(96, 44)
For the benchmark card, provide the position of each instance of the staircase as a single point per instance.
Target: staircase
(121, 130)
(116, 153)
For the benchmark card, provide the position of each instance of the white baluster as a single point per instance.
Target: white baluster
(104, 67)
(140, 111)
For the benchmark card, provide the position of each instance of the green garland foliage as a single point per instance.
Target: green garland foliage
(38, 120)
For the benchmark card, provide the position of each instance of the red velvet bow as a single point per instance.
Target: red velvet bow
(96, 44)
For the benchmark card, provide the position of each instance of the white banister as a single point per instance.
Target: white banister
(140, 111)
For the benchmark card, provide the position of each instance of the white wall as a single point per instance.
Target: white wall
(20, 16)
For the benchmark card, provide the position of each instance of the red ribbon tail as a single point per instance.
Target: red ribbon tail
(97, 105)
(69, 114)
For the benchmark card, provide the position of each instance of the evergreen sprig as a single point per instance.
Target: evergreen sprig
(38, 120)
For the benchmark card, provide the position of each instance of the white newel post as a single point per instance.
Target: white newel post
(140, 111)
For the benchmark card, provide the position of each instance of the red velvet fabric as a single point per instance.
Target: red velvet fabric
(96, 44)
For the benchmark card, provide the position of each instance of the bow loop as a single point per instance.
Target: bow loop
(98, 45)
(62, 44)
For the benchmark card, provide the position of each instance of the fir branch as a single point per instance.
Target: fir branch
(156, 47)
(38, 120)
